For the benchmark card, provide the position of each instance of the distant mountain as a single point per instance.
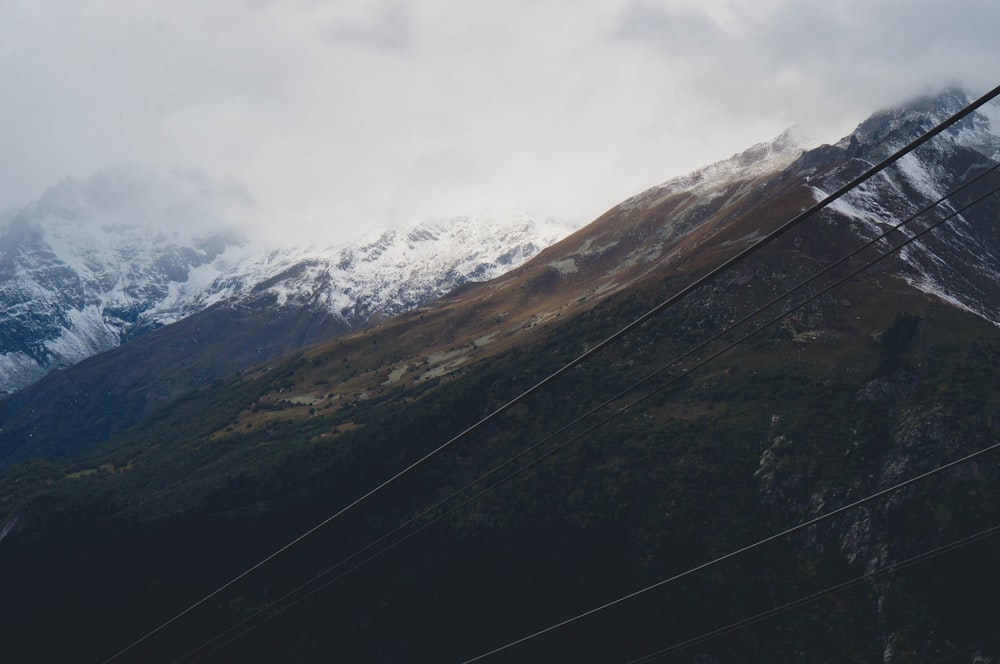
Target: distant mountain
(139, 479)
(97, 262)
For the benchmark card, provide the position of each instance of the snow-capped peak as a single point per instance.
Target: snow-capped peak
(892, 128)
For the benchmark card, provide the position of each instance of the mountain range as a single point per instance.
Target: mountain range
(144, 478)
(96, 262)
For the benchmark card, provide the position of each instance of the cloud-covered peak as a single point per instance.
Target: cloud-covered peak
(893, 127)
(138, 197)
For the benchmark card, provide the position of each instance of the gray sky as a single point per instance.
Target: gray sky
(341, 115)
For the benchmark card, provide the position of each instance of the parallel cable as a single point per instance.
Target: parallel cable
(827, 592)
(712, 563)
(746, 337)
(621, 394)
(966, 651)
(750, 547)
(670, 301)
(600, 407)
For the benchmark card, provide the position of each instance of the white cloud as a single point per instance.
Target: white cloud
(345, 114)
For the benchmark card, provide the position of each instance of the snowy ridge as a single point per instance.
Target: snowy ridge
(383, 273)
(83, 269)
(889, 130)
(760, 160)
(959, 263)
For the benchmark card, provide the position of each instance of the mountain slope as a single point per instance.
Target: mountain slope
(877, 381)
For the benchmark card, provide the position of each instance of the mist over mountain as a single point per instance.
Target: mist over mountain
(129, 489)
(96, 262)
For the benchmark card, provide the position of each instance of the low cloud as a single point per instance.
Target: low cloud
(340, 116)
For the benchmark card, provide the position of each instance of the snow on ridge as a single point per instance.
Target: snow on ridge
(982, 131)
(919, 177)
(18, 369)
(86, 334)
(422, 252)
(927, 284)
(991, 112)
(759, 160)
(391, 270)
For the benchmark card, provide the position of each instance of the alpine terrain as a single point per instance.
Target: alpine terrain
(614, 451)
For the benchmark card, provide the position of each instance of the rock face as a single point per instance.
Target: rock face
(97, 262)
(78, 274)
(961, 266)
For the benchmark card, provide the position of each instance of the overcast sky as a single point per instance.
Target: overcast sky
(341, 115)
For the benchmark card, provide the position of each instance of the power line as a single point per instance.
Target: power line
(968, 650)
(733, 554)
(611, 400)
(748, 548)
(682, 293)
(809, 599)
(601, 406)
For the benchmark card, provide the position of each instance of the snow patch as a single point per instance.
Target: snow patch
(18, 369)
(86, 335)
(918, 176)
(991, 112)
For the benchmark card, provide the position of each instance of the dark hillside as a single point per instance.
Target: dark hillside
(69, 411)
(784, 429)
